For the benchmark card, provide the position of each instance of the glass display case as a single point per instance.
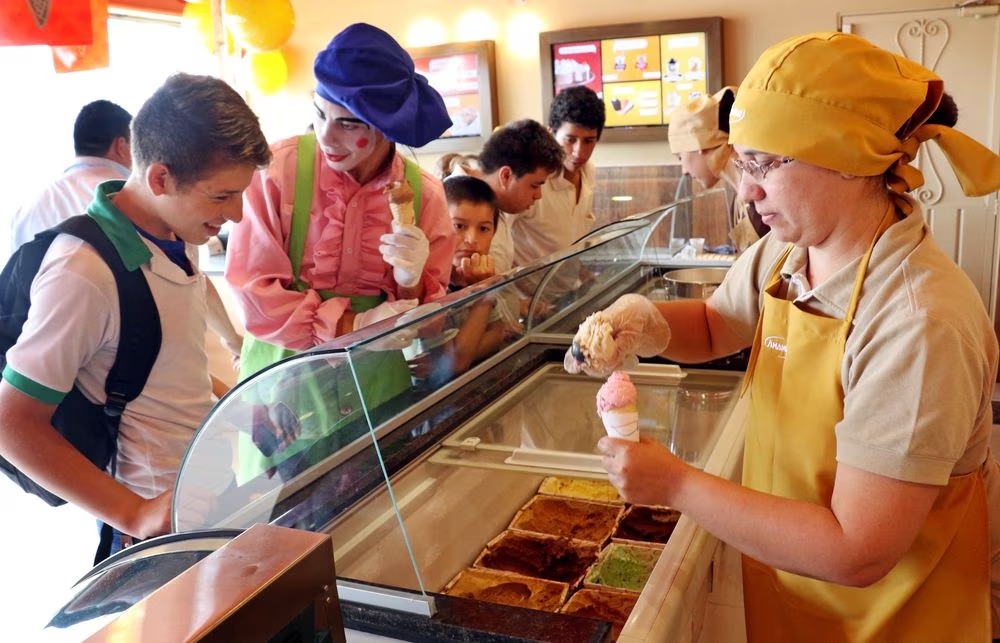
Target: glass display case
(424, 443)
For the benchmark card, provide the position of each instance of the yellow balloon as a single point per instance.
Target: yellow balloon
(197, 16)
(268, 71)
(259, 25)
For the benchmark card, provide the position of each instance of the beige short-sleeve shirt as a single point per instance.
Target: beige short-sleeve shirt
(920, 361)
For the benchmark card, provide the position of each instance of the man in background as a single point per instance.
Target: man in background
(566, 210)
(516, 161)
(102, 144)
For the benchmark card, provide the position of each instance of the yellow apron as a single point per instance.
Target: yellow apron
(939, 591)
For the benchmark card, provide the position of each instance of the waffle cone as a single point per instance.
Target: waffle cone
(400, 197)
(402, 213)
(622, 423)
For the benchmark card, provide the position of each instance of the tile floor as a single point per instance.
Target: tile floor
(45, 550)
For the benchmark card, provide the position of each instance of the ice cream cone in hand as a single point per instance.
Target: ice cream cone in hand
(400, 202)
(616, 404)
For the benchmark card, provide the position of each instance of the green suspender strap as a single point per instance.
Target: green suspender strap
(257, 353)
(411, 171)
(326, 402)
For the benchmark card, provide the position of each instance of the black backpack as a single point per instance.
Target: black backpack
(91, 428)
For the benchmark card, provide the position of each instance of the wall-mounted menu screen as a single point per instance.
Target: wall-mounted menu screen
(463, 73)
(642, 71)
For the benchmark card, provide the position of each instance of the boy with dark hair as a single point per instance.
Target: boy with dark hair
(565, 211)
(195, 146)
(480, 327)
(474, 215)
(516, 161)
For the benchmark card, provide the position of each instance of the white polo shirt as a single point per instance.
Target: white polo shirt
(71, 337)
(552, 223)
(66, 197)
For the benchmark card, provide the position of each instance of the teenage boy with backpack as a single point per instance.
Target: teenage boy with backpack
(195, 146)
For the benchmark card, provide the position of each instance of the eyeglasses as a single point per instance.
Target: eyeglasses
(759, 170)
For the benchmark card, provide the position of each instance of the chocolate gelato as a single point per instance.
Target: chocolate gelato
(623, 566)
(540, 555)
(648, 524)
(606, 605)
(508, 588)
(596, 490)
(567, 517)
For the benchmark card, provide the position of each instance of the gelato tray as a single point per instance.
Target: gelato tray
(647, 524)
(539, 555)
(623, 566)
(578, 519)
(580, 488)
(508, 588)
(604, 604)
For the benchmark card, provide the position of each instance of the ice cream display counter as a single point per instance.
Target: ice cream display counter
(472, 499)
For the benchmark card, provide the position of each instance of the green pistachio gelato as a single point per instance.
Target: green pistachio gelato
(624, 566)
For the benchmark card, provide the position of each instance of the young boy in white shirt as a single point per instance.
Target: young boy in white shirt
(195, 146)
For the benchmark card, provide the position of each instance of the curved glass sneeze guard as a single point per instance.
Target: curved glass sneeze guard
(310, 441)
(308, 415)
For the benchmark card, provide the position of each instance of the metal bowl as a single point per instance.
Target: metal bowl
(693, 283)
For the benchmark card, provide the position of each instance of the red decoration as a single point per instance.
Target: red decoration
(45, 22)
(160, 6)
(93, 56)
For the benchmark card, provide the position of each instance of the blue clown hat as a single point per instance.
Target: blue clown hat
(365, 70)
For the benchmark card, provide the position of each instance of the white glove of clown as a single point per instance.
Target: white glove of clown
(406, 249)
(612, 338)
(385, 310)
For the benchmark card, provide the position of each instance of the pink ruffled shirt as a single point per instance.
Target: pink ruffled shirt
(341, 248)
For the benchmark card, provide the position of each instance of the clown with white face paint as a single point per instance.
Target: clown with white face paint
(356, 266)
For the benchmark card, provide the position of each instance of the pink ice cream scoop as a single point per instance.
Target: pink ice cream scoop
(616, 393)
(617, 405)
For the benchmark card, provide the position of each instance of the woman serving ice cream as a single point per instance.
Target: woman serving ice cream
(868, 485)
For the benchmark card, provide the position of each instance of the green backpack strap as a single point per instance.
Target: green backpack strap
(304, 179)
(302, 205)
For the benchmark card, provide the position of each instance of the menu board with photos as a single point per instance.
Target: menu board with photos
(463, 73)
(641, 72)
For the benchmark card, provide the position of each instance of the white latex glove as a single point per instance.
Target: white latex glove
(385, 310)
(406, 249)
(612, 338)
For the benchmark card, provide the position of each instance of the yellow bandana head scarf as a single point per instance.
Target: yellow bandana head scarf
(694, 126)
(837, 101)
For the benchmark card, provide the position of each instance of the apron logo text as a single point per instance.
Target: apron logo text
(776, 344)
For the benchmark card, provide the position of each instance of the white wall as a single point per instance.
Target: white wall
(748, 28)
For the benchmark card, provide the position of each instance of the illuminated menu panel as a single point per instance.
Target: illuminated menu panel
(456, 78)
(640, 78)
